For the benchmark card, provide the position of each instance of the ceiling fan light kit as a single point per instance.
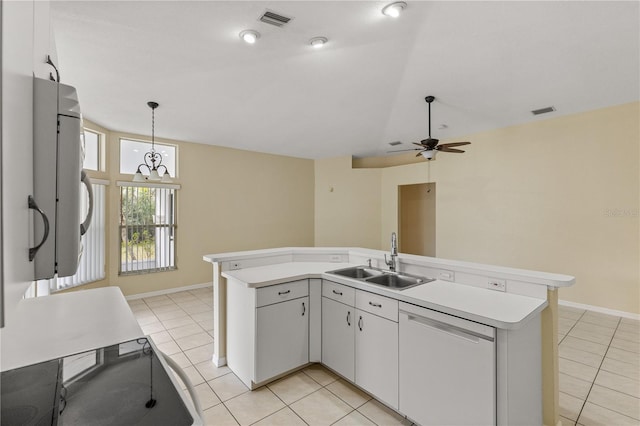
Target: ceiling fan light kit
(429, 155)
(394, 9)
(429, 147)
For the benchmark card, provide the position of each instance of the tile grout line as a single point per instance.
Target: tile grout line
(572, 327)
(586, 398)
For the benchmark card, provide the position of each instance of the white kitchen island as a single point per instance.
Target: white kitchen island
(457, 310)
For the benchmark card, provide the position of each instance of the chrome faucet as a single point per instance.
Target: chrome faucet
(393, 264)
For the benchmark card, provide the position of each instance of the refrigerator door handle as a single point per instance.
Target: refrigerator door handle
(45, 219)
(84, 226)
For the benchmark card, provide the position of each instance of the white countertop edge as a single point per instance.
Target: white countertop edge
(58, 325)
(248, 277)
(534, 277)
(253, 254)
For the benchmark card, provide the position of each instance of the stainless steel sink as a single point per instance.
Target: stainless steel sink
(397, 281)
(381, 277)
(358, 272)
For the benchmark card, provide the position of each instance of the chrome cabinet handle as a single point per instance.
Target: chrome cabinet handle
(349, 318)
(284, 292)
(375, 305)
(339, 293)
(360, 323)
(304, 309)
(45, 219)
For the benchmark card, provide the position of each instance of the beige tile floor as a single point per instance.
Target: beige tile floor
(599, 372)
(599, 368)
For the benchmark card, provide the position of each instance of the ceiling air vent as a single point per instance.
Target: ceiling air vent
(269, 17)
(543, 110)
(396, 143)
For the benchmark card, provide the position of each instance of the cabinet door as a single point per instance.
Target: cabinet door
(377, 356)
(282, 338)
(338, 324)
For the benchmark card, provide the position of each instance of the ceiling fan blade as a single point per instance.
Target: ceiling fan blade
(420, 153)
(418, 144)
(452, 144)
(401, 150)
(446, 149)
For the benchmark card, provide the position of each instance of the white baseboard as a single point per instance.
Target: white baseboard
(168, 291)
(599, 309)
(219, 361)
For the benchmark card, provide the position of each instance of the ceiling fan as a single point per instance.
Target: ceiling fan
(429, 147)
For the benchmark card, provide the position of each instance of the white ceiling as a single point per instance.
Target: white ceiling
(487, 63)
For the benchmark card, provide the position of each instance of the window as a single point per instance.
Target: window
(132, 155)
(92, 150)
(92, 262)
(147, 227)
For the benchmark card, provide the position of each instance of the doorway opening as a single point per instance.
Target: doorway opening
(417, 219)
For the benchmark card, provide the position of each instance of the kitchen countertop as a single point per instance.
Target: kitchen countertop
(292, 254)
(494, 308)
(49, 327)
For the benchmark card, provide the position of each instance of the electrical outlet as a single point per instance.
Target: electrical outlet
(336, 258)
(234, 265)
(446, 275)
(498, 285)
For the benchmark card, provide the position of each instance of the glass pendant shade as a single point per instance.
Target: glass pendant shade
(154, 175)
(138, 177)
(166, 178)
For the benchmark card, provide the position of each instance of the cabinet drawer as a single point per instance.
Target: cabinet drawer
(281, 292)
(378, 305)
(338, 292)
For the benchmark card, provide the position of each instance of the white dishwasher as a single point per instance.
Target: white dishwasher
(447, 373)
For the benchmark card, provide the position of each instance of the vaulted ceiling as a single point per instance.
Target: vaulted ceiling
(487, 63)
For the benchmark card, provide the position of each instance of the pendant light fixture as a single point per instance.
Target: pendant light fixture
(156, 167)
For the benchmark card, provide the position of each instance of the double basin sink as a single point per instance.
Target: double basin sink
(393, 280)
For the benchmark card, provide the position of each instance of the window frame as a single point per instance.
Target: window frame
(101, 149)
(148, 142)
(172, 227)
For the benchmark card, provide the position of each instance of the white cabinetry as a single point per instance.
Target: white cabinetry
(377, 346)
(267, 330)
(360, 339)
(282, 336)
(447, 369)
(338, 340)
(377, 357)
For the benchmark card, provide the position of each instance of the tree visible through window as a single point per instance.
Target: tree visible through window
(147, 229)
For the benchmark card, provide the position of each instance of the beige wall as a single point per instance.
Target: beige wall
(347, 212)
(558, 195)
(230, 200)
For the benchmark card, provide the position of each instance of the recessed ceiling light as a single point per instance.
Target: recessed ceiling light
(394, 9)
(250, 36)
(318, 42)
